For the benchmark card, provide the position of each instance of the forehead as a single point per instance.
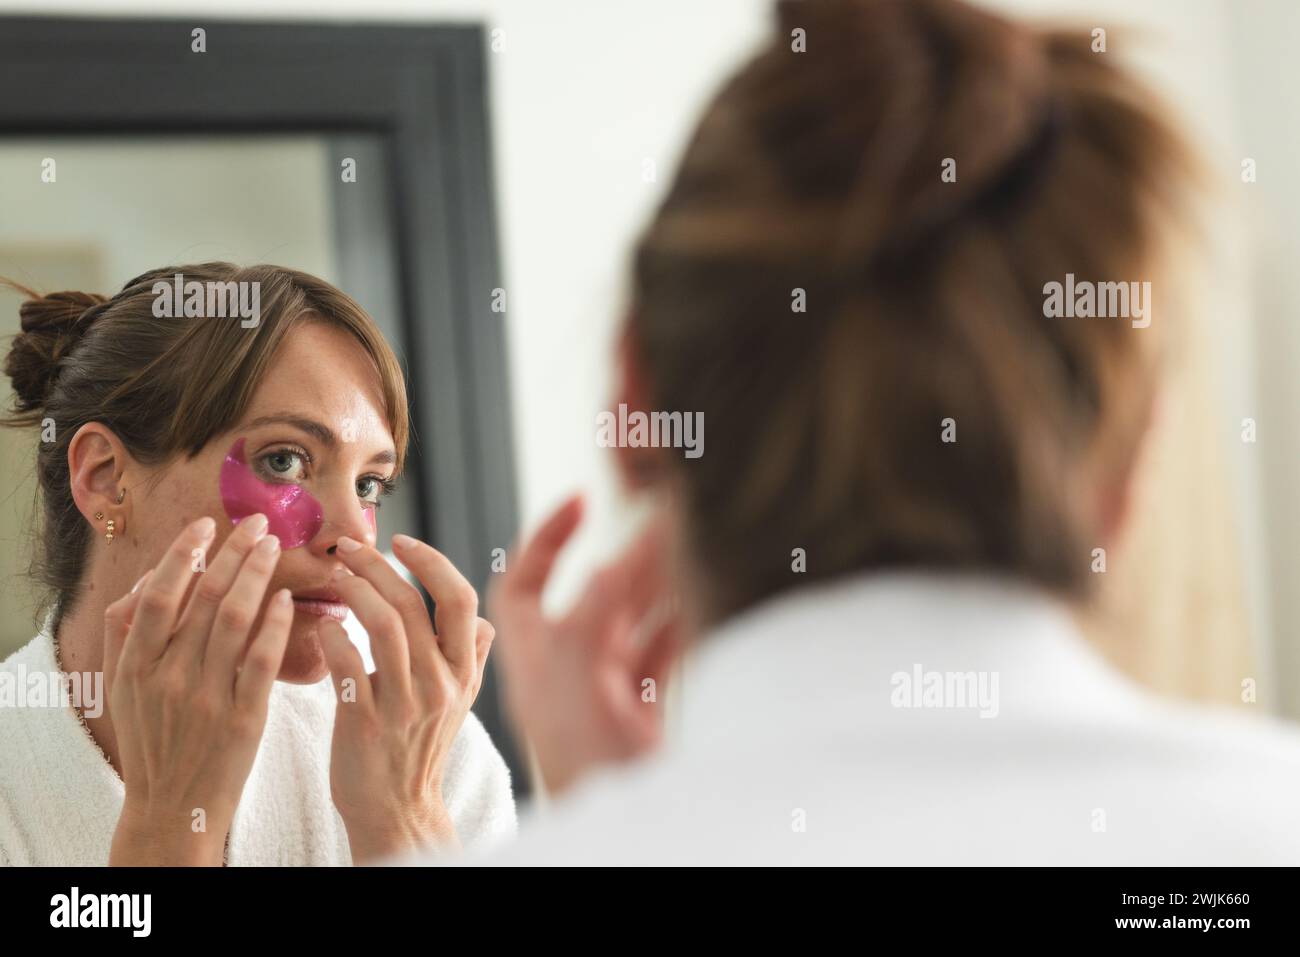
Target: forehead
(322, 372)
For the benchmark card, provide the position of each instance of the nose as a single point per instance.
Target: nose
(344, 515)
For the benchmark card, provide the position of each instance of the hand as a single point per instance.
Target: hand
(393, 730)
(579, 685)
(188, 692)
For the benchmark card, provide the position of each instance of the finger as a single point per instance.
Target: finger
(237, 613)
(387, 635)
(622, 593)
(454, 598)
(117, 623)
(214, 584)
(366, 562)
(528, 573)
(643, 569)
(261, 664)
(160, 597)
(483, 635)
(661, 652)
(628, 704)
(351, 683)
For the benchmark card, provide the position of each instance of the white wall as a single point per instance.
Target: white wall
(1266, 93)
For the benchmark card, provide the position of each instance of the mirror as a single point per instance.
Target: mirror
(90, 212)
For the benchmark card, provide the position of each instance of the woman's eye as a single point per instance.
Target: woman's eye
(369, 489)
(372, 488)
(284, 465)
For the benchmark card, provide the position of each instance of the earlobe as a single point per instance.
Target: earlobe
(97, 462)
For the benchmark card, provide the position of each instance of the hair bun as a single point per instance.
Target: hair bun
(51, 326)
(888, 93)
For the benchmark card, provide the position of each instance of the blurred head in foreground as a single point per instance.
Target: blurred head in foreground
(871, 277)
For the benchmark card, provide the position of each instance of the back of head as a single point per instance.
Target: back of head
(847, 279)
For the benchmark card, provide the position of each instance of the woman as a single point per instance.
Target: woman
(914, 467)
(209, 489)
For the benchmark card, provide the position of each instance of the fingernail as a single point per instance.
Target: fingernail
(404, 541)
(339, 573)
(205, 528)
(268, 545)
(283, 597)
(346, 544)
(256, 524)
(136, 587)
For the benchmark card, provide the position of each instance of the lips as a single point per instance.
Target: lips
(321, 604)
(322, 609)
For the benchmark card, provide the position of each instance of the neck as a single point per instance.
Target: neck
(79, 638)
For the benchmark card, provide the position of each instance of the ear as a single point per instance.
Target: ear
(638, 468)
(1124, 487)
(97, 465)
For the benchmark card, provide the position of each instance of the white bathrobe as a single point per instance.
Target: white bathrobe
(805, 737)
(60, 798)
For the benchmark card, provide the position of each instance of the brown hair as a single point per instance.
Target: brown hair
(820, 172)
(164, 386)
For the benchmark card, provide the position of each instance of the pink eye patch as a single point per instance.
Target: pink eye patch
(292, 514)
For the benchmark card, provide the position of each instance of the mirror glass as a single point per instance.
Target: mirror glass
(91, 212)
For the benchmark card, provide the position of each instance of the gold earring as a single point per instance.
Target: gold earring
(121, 495)
(109, 534)
(99, 516)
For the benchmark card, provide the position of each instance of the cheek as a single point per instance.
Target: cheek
(292, 514)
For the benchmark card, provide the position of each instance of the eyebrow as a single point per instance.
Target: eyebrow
(319, 431)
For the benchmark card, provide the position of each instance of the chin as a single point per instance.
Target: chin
(304, 662)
